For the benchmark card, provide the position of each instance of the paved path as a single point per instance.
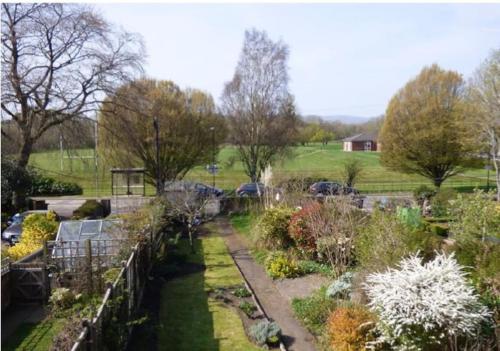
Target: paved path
(277, 307)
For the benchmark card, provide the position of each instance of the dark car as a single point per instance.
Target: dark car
(250, 189)
(13, 232)
(199, 188)
(325, 188)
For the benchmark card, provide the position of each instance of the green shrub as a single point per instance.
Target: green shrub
(42, 185)
(278, 265)
(313, 311)
(265, 332)
(440, 203)
(241, 292)
(422, 193)
(272, 228)
(248, 308)
(89, 209)
(385, 240)
(439, 229)
(309, 267)
(110, 275)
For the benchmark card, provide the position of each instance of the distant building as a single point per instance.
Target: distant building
(362, 142)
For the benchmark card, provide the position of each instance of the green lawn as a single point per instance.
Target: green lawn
(312, 160)
(189, 318)
(34, 336)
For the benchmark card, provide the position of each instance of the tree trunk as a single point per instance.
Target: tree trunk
(438, 181)
(496, 164)
(25, 152)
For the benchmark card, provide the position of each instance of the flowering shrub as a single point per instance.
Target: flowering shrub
(37, 228)
(278, 265)
(273, 228)
(300, 230)
(350, 328)
(420, 305)
(62, 298)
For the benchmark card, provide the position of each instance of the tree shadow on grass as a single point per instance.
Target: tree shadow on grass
(176, 302)
(31, 336)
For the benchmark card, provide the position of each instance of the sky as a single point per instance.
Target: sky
(345, 59)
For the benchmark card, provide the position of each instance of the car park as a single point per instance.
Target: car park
(13, 232)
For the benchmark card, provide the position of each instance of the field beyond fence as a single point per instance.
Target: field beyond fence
(304, 161)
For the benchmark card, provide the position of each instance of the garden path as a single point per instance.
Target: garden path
(277, 307)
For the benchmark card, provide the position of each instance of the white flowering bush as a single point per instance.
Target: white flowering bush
(424, 304)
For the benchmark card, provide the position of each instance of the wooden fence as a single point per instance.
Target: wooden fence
(119, 305)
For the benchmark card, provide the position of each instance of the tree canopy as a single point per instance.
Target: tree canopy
(185, 119)
(424, 130)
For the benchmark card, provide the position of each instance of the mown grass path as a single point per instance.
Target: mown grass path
(189, 318)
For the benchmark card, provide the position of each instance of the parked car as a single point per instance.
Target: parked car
(199, 188)
(331, 188)
(14, 230)
(250, 189)
(325, 188)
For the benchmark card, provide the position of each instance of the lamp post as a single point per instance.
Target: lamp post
(157, 144)
(213, 156)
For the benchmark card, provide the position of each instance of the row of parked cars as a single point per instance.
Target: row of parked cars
(12, 233)
(256, 189)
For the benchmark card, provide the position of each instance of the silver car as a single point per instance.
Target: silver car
(12, 233)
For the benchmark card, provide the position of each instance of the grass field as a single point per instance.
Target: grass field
(34, 336)
(313, 160)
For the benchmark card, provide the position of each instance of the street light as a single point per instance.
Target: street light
(157, 144)
(213, 156)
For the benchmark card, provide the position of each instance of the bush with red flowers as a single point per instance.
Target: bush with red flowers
(300, 229)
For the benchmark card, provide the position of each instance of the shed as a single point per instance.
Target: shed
(362, 142)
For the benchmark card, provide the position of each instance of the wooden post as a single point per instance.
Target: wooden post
(88, 251)
(45, 252)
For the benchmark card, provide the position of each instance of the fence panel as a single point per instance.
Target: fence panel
(121, 300)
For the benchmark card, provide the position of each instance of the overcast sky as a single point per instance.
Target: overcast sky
(345, 59)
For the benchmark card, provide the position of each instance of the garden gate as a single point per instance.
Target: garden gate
(30, 282)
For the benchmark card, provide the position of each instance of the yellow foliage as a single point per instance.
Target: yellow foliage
(37, 228)
(349, 328)
(22, 249)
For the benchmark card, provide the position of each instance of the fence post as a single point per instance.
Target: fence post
(46, 252)
(88, 252)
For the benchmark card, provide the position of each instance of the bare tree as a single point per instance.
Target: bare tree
(485, 119)
(58, 60)
(188, 206)
(259, 107)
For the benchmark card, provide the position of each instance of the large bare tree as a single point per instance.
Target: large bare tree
(258, 104)
(485, 118)
(58, 61)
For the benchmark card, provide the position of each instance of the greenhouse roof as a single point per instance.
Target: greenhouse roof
(98, 229)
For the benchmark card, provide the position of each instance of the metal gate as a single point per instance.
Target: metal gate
(29, 282)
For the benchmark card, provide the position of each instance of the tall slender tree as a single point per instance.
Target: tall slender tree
(258, 104)
(58, 62)
(484, 120)
(424, 129)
